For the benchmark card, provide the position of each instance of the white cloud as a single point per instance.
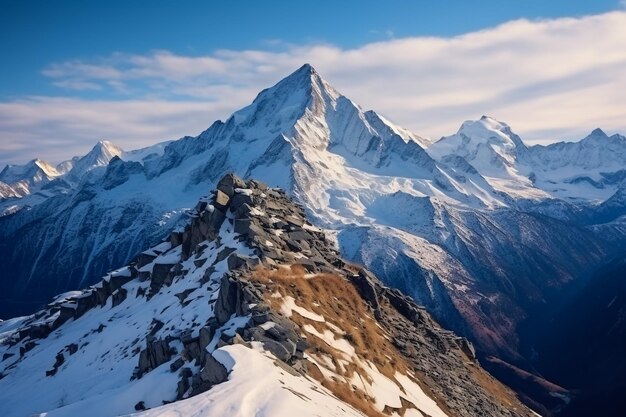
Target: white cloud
(550, 79)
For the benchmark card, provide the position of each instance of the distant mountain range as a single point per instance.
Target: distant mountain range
(480, 229)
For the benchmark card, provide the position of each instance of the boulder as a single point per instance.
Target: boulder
(239, 199)
(221, 199)
(228, 183)
(300, 235)
(242, 226)
(282, 352)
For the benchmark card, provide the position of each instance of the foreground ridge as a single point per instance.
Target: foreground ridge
(247, 298)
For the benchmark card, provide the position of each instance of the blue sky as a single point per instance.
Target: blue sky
(193, 61)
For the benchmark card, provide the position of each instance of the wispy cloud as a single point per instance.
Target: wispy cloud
(549, 79)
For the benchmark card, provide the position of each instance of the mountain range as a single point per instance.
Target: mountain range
(485, 232)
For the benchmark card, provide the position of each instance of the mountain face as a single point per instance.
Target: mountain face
(479, 228)
(247, 308)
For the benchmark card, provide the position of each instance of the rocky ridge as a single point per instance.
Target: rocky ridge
(241, 273)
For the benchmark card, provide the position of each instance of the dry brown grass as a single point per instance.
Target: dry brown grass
(338, 301)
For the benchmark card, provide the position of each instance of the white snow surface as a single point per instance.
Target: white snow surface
(257, 388)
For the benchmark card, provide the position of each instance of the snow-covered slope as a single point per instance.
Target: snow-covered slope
(247, 311)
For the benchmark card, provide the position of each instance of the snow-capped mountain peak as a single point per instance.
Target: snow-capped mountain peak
(486, 143)
(34, 170)
(100, 155)
(597, 133)
(486, 131)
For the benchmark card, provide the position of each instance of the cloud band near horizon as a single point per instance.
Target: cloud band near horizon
(550, 80)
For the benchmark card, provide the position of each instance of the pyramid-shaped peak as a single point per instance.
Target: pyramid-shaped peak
(105, 149)
(304, 77)
(597, 132)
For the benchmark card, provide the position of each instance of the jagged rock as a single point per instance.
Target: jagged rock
(229, 183)
(282, 351)
(103, 291)
(364, 283)
(229, 299)
(212, 373)
(403, 304)
(157, 352)
(182, 296)
(214, 219)
(39, 331)
(300, 235)
(182, 387)
(239, 199)
(242, 226)
(307, 264)
(155, 326)
(144, 259)
(85, 302)
(221, 199)
(199, 262)
(467, 347)
(281, 333)
(193, 351)
(236, 260)
(176, 365)
(160, 276)
(294, 221)
(176, 238)
(293, 245)
(207, 333)
(117, 281)
(119, 296)
(223, 254)
(200, 206)
(59, 360)
(66, 312)
(140, 406)
(72, 348)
